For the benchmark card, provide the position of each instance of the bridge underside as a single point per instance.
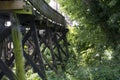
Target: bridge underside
(45, 46)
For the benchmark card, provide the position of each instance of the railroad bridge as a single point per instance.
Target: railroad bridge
(43, 30)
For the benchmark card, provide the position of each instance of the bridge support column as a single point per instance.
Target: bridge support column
(18, 50)
(37, 49)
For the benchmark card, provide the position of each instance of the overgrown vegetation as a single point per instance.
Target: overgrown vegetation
(95, 42)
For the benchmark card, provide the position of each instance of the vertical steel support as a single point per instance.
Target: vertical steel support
(65, 42)
(49, 33)
(37, 48)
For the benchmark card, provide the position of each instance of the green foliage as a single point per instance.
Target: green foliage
(95, 42)
(47, 1)
(53, 76)
(32, 76)
(90, 58)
